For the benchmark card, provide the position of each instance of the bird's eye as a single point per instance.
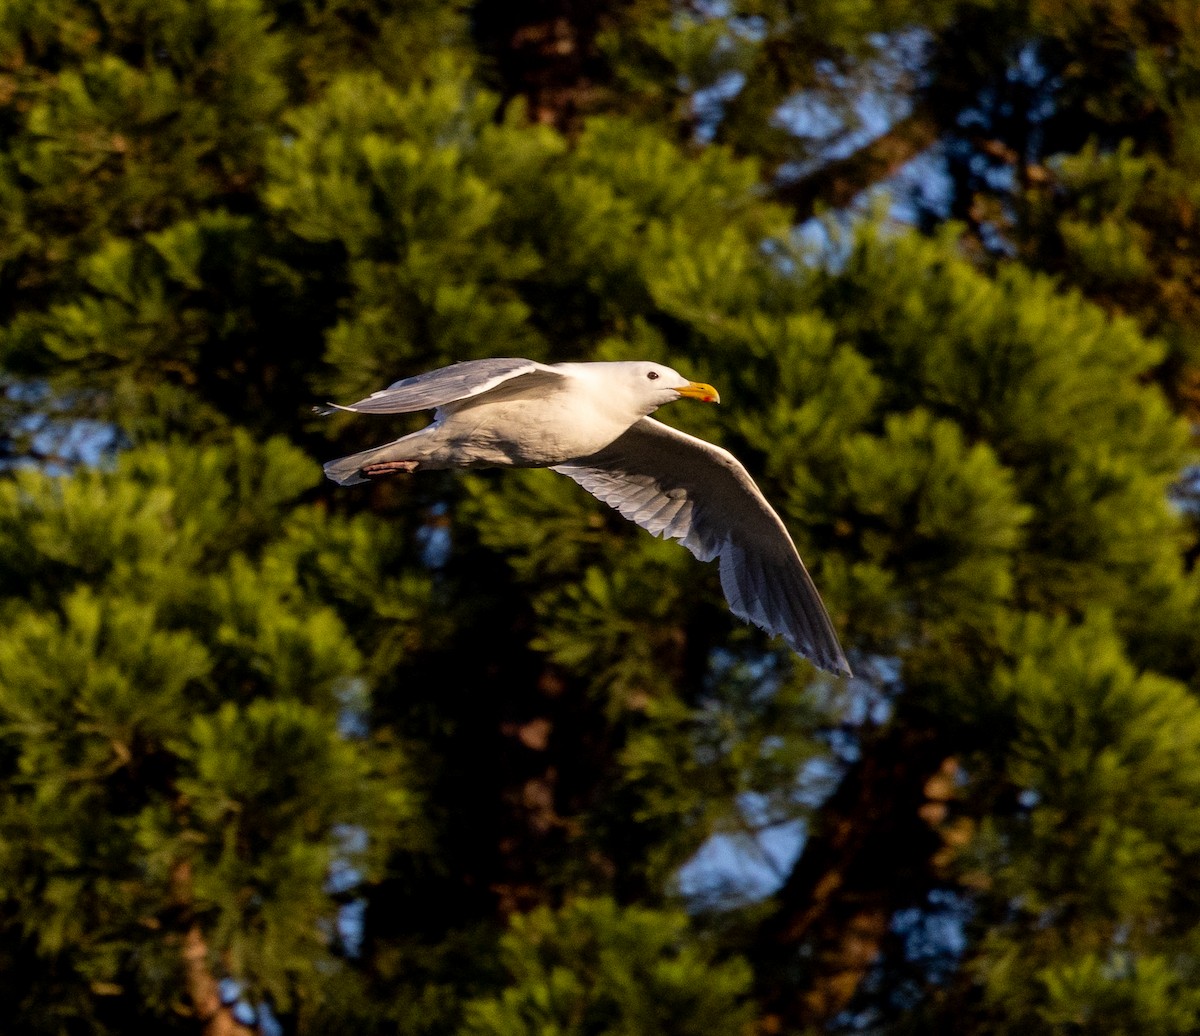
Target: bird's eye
(652, 375)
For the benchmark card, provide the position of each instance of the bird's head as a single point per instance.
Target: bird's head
(656, 385)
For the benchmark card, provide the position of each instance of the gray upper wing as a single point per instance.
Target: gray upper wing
(683, 488)
(446, 385)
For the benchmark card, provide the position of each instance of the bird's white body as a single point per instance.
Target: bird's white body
(590, 422)
(568, 419)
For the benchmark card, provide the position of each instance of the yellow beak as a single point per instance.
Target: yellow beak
(698, 390)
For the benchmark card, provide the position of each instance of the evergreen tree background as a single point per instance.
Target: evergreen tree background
(437, 756)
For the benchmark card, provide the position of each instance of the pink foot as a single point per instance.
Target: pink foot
(391, 467)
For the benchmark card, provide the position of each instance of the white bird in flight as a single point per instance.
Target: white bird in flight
(590, 421)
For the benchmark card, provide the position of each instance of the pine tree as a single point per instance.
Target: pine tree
(428, 756)
(177, 766)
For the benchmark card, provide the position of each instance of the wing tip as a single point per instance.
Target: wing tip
(840, 667)
(827, 657)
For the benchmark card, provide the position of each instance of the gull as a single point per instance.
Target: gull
(590, 422)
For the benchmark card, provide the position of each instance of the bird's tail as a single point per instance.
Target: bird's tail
(347, 471)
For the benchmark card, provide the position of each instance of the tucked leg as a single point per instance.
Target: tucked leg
(393, 458)
(383, 469)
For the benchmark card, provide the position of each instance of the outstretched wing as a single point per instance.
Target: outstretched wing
(683, 488)
(446, 385)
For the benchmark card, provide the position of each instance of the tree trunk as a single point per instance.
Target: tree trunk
(545, 51)
(203, 989)
(875, 852)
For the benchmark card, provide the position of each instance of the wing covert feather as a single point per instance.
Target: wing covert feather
(683, 488)
(447, 385)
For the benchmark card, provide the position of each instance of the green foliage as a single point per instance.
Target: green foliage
(1118, 239)
(1021, 369)
(1083, 916)
(593, 967)
(169, 690)
(481, 706)
(1118, 995)
(395, 179)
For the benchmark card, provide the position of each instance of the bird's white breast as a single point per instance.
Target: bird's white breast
(540, 430)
